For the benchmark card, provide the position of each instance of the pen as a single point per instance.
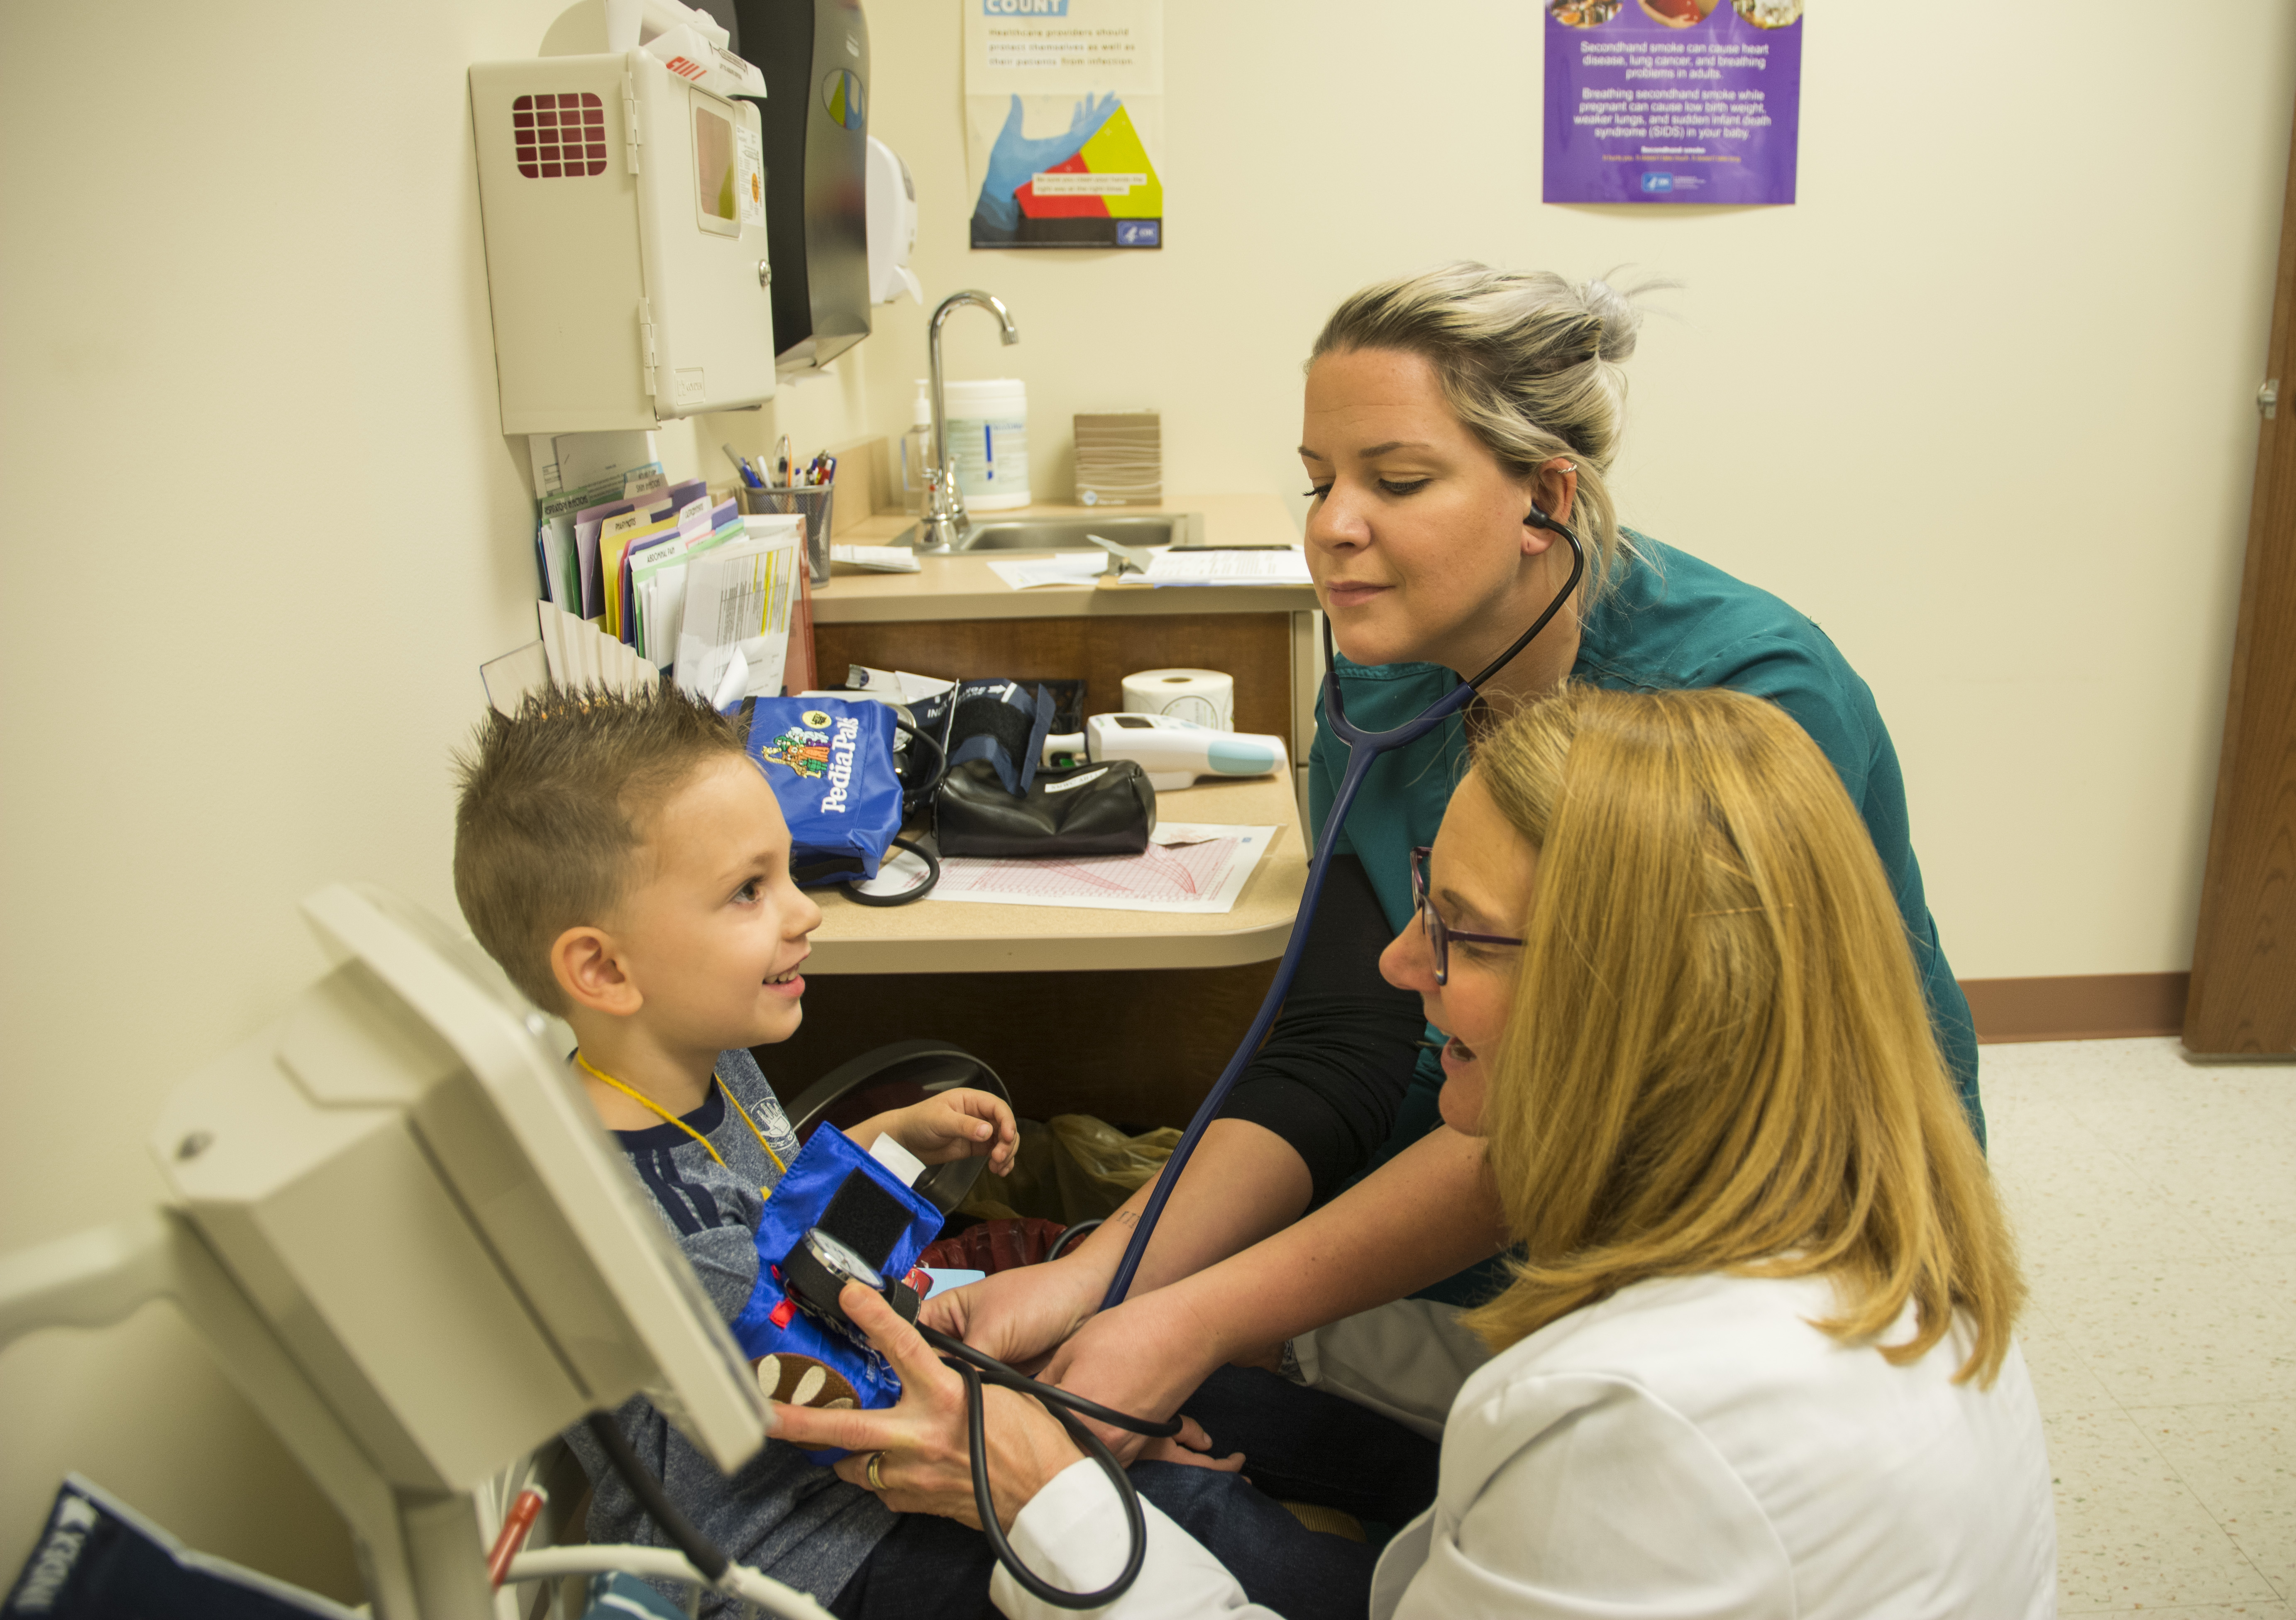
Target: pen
(782, 453)
(740, 466)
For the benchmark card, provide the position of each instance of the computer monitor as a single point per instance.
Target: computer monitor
(417, 1252)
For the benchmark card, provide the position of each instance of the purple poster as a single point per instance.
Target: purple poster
(1672, 101)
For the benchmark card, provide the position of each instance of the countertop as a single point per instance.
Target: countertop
(964, 587)
(959, 936)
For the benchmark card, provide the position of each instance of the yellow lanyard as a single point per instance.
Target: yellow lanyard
(639, 1097)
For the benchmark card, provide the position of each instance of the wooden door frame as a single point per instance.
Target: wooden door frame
(2242, 1000)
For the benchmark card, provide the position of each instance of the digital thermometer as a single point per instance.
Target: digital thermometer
(1173, 752)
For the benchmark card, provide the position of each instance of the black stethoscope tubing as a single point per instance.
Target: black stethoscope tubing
(1363, 748)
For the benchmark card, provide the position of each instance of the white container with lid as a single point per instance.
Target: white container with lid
(989, 441)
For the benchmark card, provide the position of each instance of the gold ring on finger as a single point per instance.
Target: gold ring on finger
(876, 1483)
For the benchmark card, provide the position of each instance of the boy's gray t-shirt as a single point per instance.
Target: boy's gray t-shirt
(796, 1522)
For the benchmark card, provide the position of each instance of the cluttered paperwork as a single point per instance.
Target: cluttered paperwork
(1189, 867)
(1177, 567)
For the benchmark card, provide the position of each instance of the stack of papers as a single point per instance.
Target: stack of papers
(734, 602)
(880, 559)
(664, 572)
(1166, 567)
(1179, 568)
(566, 548)
(1061, 568)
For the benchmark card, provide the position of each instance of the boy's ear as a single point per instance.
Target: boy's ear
(587, 965)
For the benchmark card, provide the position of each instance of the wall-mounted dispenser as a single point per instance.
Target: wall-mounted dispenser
(814, 54)
(622, 184)
(892, 225)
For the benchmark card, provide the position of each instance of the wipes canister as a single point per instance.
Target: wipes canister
(989, 441)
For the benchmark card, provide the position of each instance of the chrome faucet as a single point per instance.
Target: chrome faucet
(944, 522)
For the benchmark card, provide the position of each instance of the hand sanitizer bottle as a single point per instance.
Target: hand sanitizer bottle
(917, 450)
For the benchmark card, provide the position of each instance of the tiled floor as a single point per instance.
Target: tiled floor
(2156, 1201)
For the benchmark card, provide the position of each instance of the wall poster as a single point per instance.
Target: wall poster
(1065, 112)
(1672, 101)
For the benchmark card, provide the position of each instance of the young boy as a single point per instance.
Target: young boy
(627, 865)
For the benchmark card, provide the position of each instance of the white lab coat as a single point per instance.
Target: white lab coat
(1406, 1360)
(1691, 1446)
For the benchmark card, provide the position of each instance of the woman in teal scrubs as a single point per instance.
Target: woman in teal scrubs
(1440, 407)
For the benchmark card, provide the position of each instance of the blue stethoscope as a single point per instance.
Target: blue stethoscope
(1364, 751)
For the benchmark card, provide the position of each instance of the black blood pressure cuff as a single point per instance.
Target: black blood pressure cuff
(1105, 809)
(1004, 724)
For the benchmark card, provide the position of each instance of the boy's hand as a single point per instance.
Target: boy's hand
(954, 1125)
(1018, 1316)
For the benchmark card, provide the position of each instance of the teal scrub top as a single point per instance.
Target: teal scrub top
(1671, 624)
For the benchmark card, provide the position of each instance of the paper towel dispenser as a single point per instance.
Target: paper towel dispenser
(814, 113)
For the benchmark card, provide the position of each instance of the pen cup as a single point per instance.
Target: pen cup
(810, 502)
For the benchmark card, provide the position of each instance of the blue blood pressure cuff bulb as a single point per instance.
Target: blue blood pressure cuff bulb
(830, 763)
(838, 1215)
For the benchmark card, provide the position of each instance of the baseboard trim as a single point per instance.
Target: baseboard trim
(2082, 1007)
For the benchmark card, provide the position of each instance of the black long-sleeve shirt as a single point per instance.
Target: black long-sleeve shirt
(1339, 1060)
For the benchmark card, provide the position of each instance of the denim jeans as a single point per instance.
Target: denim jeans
(1308, 1445)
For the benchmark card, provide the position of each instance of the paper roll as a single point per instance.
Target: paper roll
(1204, 696)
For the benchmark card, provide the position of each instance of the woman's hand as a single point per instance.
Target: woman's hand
(1144, 1357)
(926, 1464)
(961, 1123)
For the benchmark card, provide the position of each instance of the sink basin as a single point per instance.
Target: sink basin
(1073, 534)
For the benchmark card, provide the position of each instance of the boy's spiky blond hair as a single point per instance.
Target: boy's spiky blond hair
(553, 801)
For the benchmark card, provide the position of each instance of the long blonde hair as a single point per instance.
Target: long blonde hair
(1718, 1057)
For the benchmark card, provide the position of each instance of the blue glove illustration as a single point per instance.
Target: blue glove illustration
(1016, 159)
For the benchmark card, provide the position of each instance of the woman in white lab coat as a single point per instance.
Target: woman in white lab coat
(1756, 1358)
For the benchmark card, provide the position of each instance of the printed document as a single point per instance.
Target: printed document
(739, 599)
(1188, 867)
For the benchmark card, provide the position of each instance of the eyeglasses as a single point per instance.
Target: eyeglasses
(1441, 934)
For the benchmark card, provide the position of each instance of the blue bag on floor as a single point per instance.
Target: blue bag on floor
(830, 763)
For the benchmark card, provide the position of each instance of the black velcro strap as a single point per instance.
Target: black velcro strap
(992, 715)
(866, 1218)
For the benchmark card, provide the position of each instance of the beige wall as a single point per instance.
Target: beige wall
(1979, 404)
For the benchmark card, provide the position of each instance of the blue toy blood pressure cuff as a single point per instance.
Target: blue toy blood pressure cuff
(835, 1190)
(830, 763)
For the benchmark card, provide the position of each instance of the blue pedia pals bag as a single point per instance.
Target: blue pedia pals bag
(831, 765)
(832, 1187)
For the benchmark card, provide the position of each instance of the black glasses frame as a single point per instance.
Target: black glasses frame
(1439, 933)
